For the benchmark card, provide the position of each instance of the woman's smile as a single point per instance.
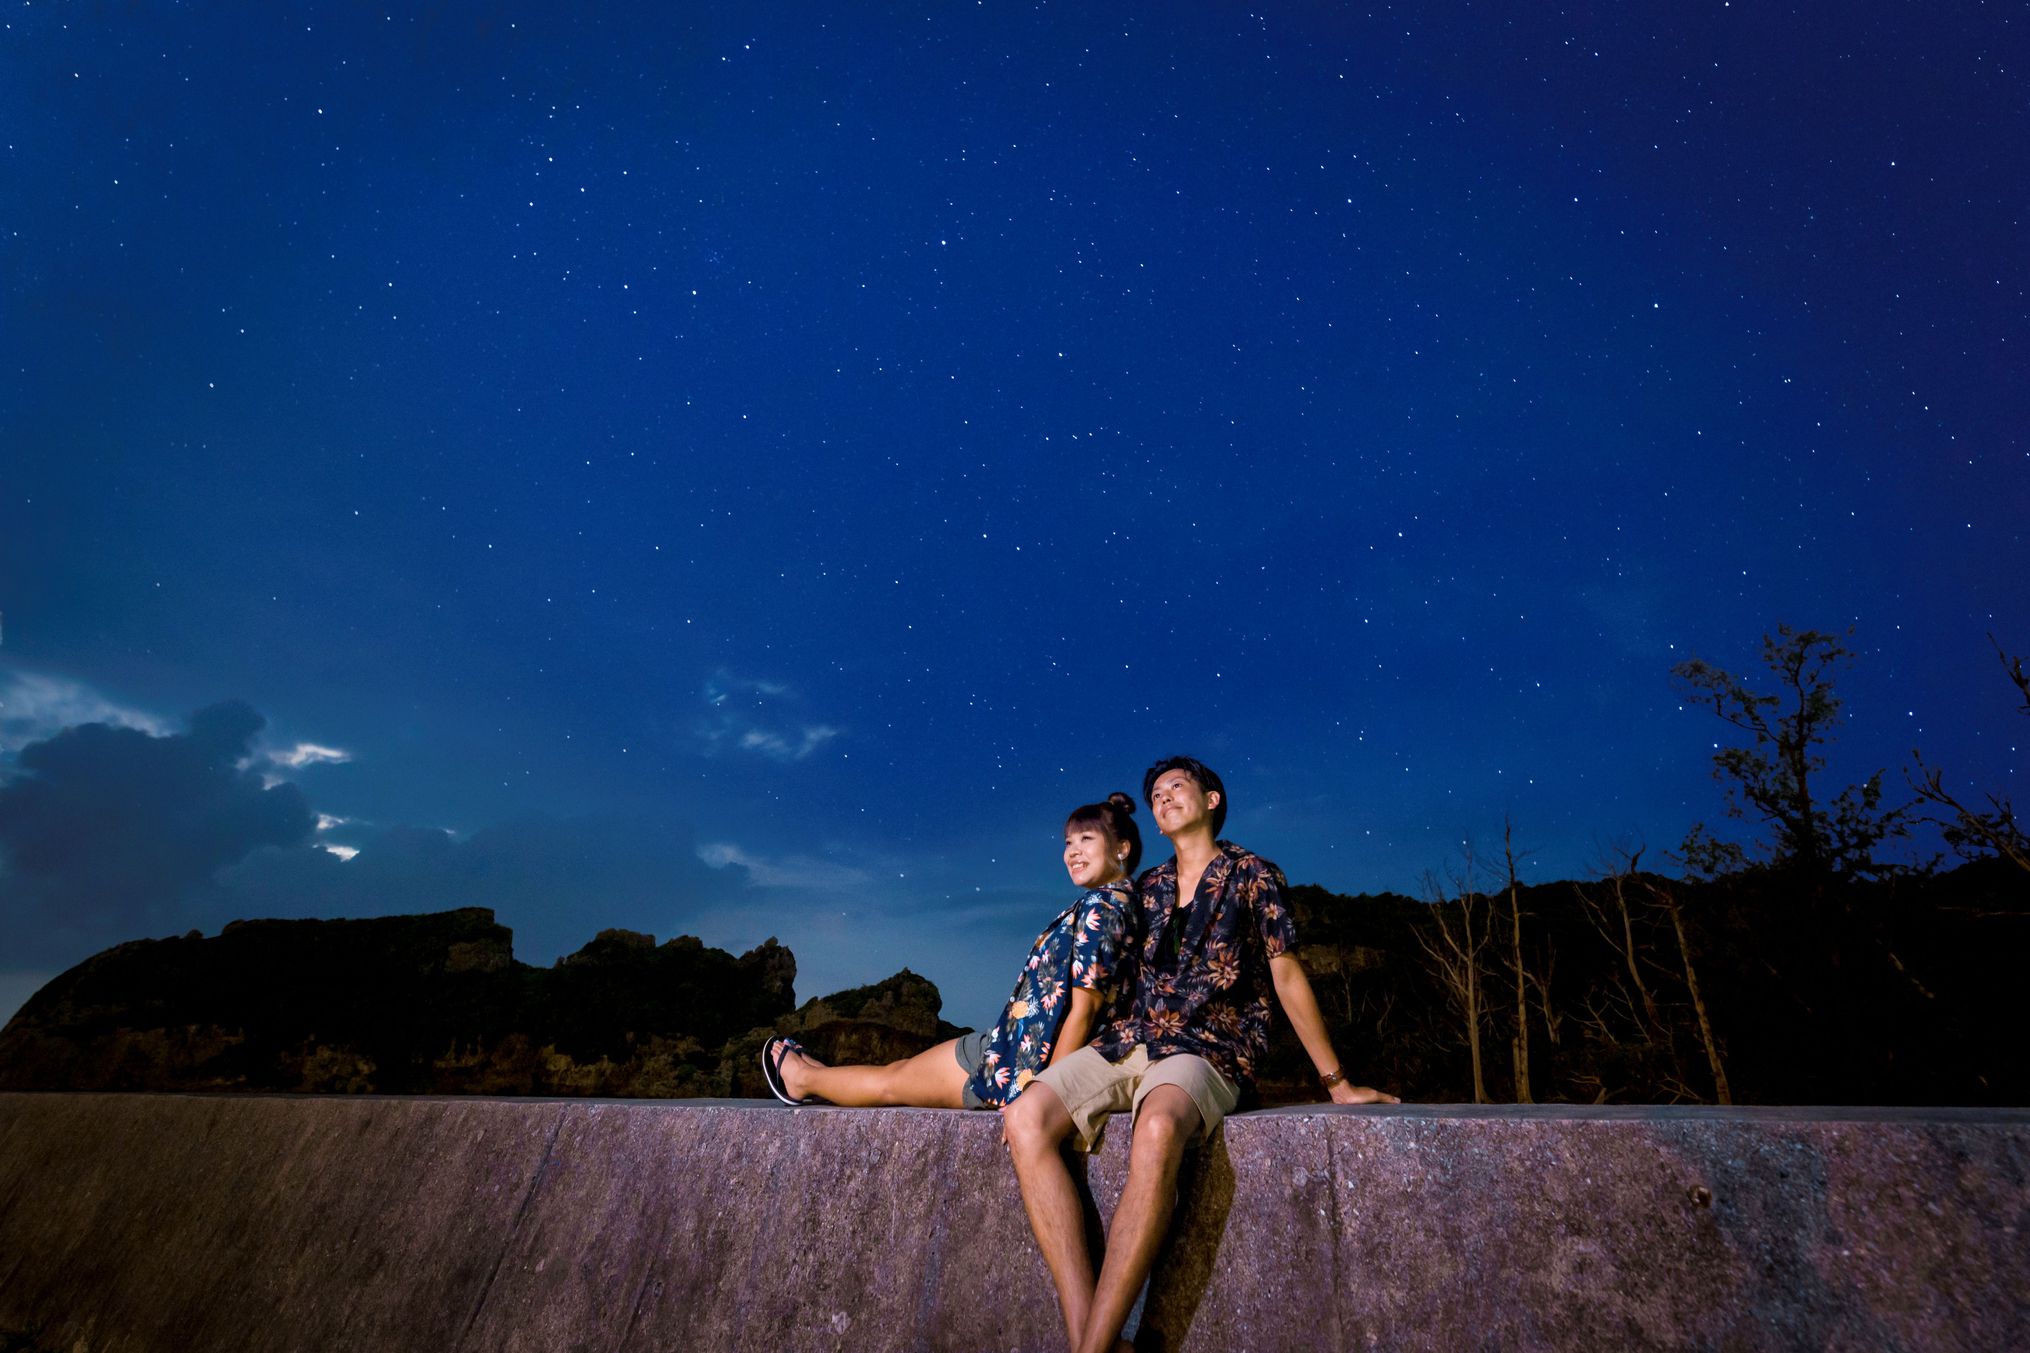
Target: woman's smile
(1087, 858)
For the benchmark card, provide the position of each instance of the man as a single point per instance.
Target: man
(1217, 935)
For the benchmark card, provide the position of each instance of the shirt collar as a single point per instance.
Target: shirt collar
(1165, 874)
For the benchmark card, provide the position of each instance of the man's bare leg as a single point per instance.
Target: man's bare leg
(1163, 1128)
(1035, 1127)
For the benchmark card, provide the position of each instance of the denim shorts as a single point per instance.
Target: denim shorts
(972, 1054)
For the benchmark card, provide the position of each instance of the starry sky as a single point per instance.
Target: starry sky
(749, 471)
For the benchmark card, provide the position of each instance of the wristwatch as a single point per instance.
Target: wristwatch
(1332, 1078)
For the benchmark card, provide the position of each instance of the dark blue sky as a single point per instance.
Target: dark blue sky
(749, 472)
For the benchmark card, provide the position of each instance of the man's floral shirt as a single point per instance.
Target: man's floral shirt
(1083, 947)
(1204, 985)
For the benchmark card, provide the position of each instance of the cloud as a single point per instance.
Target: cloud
(749, 714)
(777, 747)
(35, 707)
(786, 871)
(351, 826)
(556, 881)
(106, 832)
(309, 754)
(110, 833)
(722, 686)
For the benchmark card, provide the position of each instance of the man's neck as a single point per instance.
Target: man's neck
(1194, 852)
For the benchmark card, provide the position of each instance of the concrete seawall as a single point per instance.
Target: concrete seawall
(190, 1223)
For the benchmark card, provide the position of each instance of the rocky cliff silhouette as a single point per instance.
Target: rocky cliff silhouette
(1899, 991)
(437, 1004)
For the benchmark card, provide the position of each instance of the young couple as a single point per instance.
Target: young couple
(1152, 999)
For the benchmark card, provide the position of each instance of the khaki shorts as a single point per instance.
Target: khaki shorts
(1091, 1087)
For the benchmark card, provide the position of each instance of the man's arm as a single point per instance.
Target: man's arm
(1077, 1029)
(1293, 990)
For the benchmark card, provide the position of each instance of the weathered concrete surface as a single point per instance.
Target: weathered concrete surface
(134, 1222)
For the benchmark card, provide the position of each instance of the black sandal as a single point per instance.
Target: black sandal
(772, 1053)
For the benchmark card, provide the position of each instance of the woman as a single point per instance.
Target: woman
(1072, 973)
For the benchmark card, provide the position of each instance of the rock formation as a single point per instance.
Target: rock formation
(437, 1004)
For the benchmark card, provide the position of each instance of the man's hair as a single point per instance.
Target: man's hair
(1208, 783)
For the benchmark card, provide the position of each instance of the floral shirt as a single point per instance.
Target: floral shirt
(1204, 982)
(1083, 947)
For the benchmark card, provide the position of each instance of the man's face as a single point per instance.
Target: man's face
(1179, 804)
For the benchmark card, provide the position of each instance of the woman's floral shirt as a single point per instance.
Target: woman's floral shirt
(1204, 984)
(1083, 947)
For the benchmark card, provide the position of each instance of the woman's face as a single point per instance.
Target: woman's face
(1091, 857)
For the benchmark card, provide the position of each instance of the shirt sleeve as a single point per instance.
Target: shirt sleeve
(1100, 931)
(1268, 897)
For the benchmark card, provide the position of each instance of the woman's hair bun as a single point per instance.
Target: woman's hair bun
(1122, 802)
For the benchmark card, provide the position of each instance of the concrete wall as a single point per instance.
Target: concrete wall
(188, 1223)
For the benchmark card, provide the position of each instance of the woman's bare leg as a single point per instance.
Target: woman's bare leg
(933, 1079)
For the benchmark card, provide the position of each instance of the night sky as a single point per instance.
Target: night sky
(749, 471)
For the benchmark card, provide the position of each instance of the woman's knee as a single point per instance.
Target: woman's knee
(891, 1085)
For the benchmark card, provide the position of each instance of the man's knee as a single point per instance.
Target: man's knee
(1036, 1121)
(1167, 1120)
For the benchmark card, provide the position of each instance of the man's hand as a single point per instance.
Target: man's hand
(1293, 989)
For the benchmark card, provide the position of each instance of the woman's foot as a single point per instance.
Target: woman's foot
(784, 1067)
(795, 1068)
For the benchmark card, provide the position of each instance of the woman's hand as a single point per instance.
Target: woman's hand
(1077, 1029)
(1343, 1093)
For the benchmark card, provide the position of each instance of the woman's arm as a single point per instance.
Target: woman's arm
(1293, 989)
(1077, 1029)
(1099, 935)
